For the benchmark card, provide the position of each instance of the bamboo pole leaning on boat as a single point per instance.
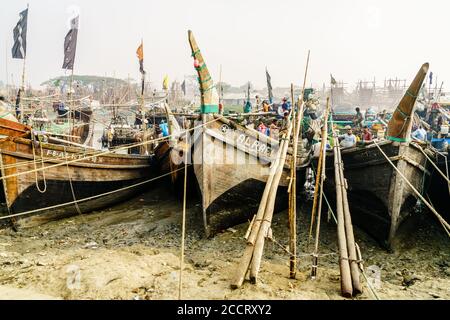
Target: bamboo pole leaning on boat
(357, 289)
(323, 153)
(261, 226)
(292, 190)
(344, 266)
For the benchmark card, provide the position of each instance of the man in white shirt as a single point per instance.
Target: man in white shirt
(348, 139)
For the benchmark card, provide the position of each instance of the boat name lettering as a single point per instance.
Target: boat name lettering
(256, 145)
(68, 156)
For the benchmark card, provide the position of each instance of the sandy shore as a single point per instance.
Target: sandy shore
(132, 251)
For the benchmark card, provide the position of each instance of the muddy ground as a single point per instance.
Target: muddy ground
(131, 251)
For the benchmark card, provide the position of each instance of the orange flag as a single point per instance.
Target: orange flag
(140, 55)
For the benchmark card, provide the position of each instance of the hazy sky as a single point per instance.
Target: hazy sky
(351, 39)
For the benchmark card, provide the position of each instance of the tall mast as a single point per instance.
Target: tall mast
(6, 66)
(23, 77)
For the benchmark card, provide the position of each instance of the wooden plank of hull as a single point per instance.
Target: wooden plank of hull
(89, 178)
(12, 129)
(438, 189)
(379, 200)
(224, 160)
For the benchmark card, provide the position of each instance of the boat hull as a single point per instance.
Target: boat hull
(72, 181)
(380, 201)
(232, 165)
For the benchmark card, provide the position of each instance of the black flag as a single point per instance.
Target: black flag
(70, 45)
(183, 87)
(333, 80)
(19, 50)
(269, 86)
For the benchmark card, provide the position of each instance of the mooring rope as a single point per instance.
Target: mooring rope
(432, 162)
(71, 187)
(35, 167)
(102, 153)
(89, 198)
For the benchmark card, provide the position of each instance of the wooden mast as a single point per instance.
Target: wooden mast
(209, 105)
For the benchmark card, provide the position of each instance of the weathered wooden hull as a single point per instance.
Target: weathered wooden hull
(380, 201)
(232, 165)
(12, 129)
(52, 193)
(438, 189)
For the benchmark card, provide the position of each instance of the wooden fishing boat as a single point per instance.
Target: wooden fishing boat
(380, 201)
(44, 181)
(231, 162)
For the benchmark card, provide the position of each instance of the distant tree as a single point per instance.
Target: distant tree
(245, 86)
(225, 87)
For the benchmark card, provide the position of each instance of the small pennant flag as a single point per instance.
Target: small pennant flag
(269, 86)
(140, 55)
(333, 80)
(70, 45)
(183, 87)
(166, 83)
(19, 50)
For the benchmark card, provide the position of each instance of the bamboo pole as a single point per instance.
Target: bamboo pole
(71, 116)
(22, 91)
(260, 230)
(346, 279)
(268, 214)
(243, 266)
(323, 152)
(265, 226)
(357, 289)
(183, 225)
(316, 191)
(292, 197)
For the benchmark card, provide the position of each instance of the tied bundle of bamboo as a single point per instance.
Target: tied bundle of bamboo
(260, 227)
(348, 263)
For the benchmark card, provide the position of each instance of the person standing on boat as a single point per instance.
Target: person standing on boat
(286, 106)
(247, 107)
(265, 106)
(348, 139)
(358, 120)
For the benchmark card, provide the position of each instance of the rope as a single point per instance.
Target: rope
(71, 186)
(439, 221)
(301, 255)
(106, 152)
(35, 167)
(183, 226)
(88, 198)
(361, 267)
(432, 162)
(414, 189)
